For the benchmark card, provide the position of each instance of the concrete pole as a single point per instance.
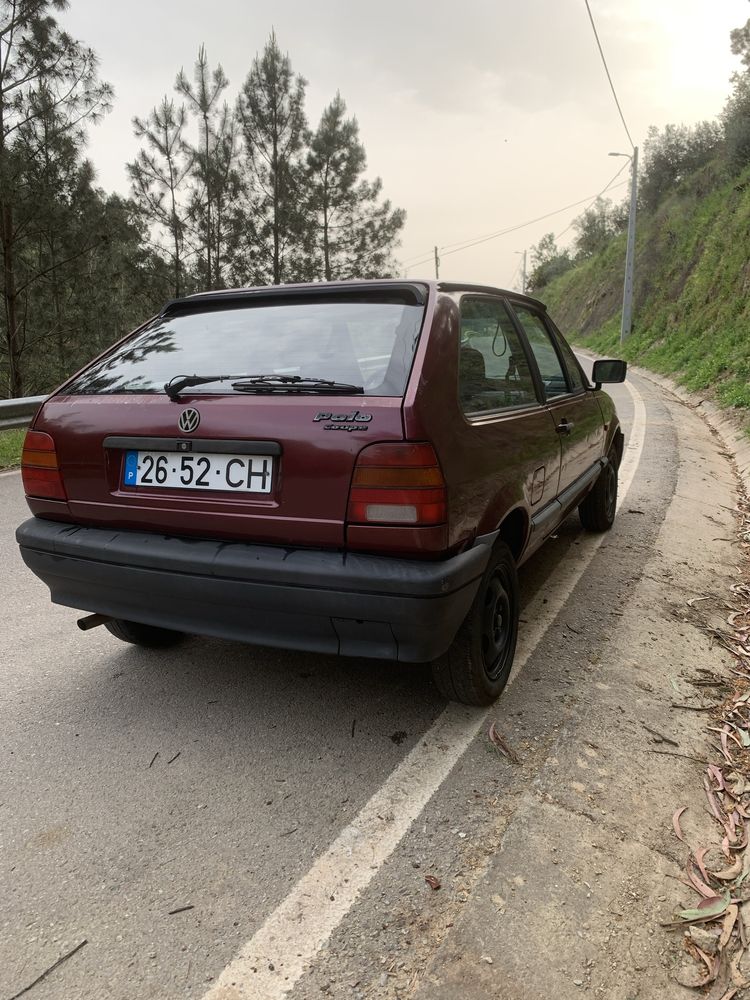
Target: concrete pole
(523, 274)
(437, 264)
(627, 293)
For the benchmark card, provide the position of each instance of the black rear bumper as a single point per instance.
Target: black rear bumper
(330, 602)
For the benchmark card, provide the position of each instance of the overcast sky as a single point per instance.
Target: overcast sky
(477, 115)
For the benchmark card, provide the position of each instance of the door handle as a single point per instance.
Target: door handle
(565, 427)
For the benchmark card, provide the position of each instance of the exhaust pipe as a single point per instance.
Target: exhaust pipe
(91, 621)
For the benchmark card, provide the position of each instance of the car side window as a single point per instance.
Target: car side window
(493, 371)
(571, 364)
(547, 359)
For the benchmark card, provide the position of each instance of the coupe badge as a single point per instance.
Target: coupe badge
(189, 420)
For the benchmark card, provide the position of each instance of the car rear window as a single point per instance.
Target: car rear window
(367, 343)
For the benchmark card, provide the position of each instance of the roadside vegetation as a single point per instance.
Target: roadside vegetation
(11, 443)
(692, 267)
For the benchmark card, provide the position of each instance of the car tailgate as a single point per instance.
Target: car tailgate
(310, 444)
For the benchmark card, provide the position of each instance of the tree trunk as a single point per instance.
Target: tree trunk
(326, 247)
(10, 297)
(211, 281)
(276, 200)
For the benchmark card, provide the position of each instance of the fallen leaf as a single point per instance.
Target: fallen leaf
(713, 803)
(699, 856)
(691, 977)
(708, 908)
(676, 823)
(499, 741)
(728, 926)
(705, 890)
(729, 874)
(718, 776)
(721, 989)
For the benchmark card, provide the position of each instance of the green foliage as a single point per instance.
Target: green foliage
(251, 197)
(158, 175)
(548, 262)
(11, 445)
(671, 155)
(353, 233)
(271, 111)
(214, 178)
(736, 121)
(596, 226)
(692, 285)
(48, 89)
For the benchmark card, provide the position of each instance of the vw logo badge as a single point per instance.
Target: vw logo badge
(189, 420)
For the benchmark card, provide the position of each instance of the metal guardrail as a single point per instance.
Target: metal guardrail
(18, 412)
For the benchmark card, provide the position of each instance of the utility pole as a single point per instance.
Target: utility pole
(522, 253)
(627, 295)
(437, 264)
(627, 292)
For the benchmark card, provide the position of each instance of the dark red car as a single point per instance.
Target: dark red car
(354, 468)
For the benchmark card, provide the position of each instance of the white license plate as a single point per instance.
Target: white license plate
(176, 470)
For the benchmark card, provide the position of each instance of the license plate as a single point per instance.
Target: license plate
(172, 470)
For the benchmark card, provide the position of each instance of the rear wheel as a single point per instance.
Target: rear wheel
(598, 509)
(477, 666)
(143, 635)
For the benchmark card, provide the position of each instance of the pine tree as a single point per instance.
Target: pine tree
(159, 176)
(354, 234)
(48, 90)
(272, 117)
(214, 166)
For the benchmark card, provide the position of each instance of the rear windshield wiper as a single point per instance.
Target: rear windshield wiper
(262, 383)
(293, 383)
(174, 387)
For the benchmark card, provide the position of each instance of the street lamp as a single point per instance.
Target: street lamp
(627, 294)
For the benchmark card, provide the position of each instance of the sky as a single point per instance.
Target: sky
(478, 116)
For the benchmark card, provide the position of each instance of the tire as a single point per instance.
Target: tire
(139, 634)
(477, 666)
(597, 510)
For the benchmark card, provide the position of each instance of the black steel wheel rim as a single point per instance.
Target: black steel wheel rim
(497, 625)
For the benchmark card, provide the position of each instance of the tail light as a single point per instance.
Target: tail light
(39, 468)
(398, 484)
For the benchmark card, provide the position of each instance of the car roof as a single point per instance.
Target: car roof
(462, 286)
(415, 289)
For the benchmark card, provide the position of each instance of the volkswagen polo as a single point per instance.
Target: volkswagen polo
(355, 468)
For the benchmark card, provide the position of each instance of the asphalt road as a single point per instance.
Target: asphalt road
(209, 779)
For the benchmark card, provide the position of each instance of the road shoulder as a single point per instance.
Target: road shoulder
(571, 902)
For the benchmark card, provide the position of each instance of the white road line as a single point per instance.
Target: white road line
(275, 958)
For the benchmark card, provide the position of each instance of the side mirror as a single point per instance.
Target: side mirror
(608, 371)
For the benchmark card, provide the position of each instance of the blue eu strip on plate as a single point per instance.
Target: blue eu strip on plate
(131, 468)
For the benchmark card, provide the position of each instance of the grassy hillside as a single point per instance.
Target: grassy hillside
(692, 291)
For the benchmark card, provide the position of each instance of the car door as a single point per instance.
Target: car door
(510, 449)
(576, 413)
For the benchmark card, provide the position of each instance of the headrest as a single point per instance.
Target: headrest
(471, 362)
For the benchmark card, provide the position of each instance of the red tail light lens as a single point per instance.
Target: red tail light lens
(397, 484)
(39, 469)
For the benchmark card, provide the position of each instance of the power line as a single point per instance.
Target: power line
(606, 70)
(603, 191)
(417, 263)
(513, 229)
(451, 248)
